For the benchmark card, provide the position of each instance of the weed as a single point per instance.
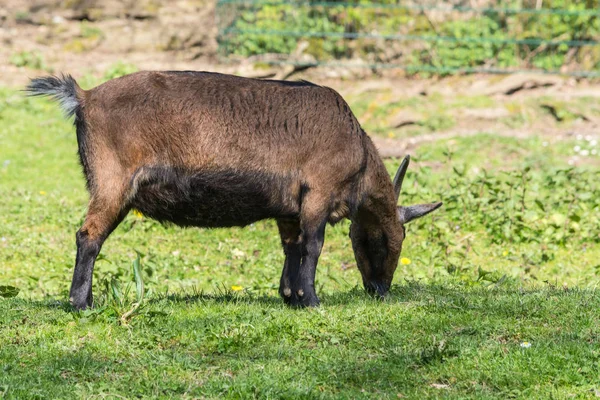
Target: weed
(89, 38)
(88, 31)
(28, 59)
(119, 69)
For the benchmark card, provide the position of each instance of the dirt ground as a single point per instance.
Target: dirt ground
(88, 36)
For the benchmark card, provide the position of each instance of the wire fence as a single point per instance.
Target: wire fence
(461, 36)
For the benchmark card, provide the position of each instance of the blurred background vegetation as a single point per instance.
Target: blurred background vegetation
(428, 38)
(436, 37)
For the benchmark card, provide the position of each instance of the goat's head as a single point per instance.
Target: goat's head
(377, 237)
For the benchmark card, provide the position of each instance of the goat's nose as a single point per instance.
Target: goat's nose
(377, 288)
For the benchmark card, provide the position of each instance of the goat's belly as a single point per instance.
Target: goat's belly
(210, 199)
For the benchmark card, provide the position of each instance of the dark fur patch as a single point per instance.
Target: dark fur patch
(377, 250)
(212, 198)
(81, 132)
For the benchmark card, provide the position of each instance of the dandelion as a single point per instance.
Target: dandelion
(525, 345)
(390, 135)
(593, 143)
(138, 214)
(42, 193)
(585, 153)
(594, 152)
(577, 149)
(236, 288)
(505, 253)
(405, 261)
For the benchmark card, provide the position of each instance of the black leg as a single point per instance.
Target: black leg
(313, 219)
(289, 230)
(100, 221)
(80, 295)
(303, 284)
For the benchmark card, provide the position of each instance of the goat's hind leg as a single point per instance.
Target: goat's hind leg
(105, 212)
(289, 231)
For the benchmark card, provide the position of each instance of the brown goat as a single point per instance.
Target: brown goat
(213, 150)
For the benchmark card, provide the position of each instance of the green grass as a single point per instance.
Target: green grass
(424, 341)
(511, 258)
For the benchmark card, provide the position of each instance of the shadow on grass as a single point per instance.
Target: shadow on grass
(439, 295)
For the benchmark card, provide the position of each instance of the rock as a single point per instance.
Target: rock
(404, 118)
(486, 113)
(522, 81)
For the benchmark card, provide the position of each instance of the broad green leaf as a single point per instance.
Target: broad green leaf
(9, 291)
(139, 281)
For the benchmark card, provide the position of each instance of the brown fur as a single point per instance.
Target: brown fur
(208, 149)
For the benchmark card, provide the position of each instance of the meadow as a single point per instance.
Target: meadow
(495, 295)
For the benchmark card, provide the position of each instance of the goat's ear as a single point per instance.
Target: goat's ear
(409, 213)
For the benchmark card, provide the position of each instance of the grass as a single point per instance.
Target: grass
(511, 258)
(424, 341)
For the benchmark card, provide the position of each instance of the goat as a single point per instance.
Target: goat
(213, 150)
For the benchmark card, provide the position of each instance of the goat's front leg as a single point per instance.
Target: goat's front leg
(303, 292)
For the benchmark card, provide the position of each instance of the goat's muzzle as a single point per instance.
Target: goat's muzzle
(377, 288)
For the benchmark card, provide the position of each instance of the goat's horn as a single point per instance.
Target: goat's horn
(400, 176)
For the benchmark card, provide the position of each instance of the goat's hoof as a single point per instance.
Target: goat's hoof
(80, 304)
(286, 292)
(301, 298)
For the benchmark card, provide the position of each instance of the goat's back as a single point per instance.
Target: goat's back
(202, 119)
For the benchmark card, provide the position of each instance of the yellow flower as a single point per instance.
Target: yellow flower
(405, 261)
(505, 253)
(236, 288)
(138, 214)
(42, 193)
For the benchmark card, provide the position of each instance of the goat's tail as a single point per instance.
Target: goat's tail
(61, 88)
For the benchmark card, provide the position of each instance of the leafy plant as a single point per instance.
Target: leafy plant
(8, 291)
(116, 297)
(89, 37)
(119, 69)
(494, 39)
(28, 59)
